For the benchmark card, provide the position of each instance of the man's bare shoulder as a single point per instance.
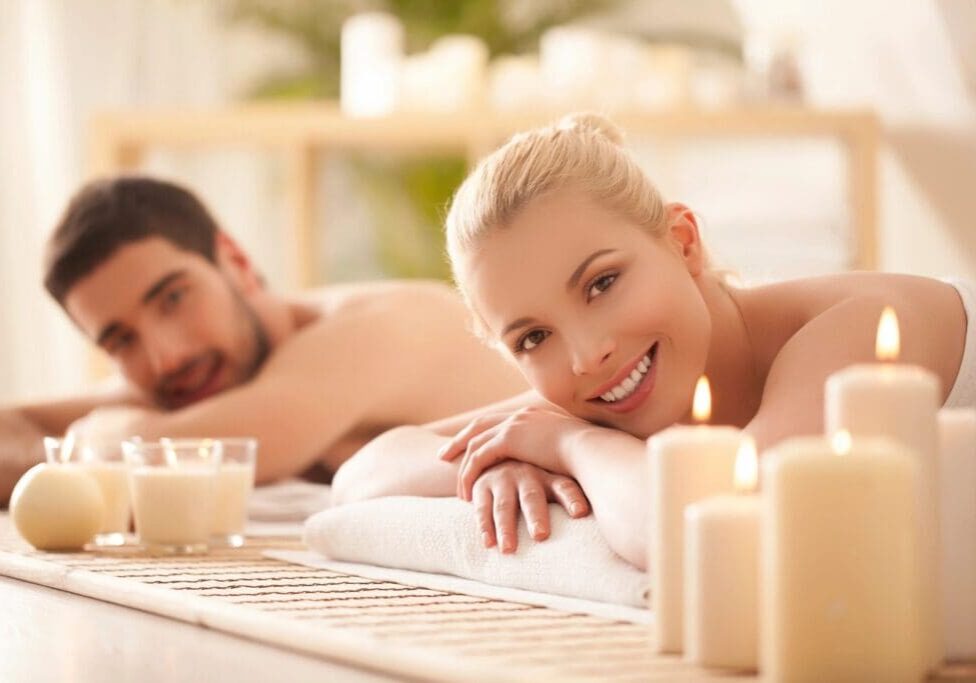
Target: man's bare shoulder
(379, 295)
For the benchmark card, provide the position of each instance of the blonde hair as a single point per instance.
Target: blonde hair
(582, 152)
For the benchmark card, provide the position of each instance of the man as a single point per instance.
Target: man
(207, 350)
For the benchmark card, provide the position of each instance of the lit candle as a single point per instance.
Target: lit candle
(688, 463)
(838, 561)
(722, 573)
(957, 467)
(901, 402)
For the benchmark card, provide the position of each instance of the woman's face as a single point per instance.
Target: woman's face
(604, 320)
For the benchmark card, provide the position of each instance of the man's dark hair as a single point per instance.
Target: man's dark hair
(108, 214)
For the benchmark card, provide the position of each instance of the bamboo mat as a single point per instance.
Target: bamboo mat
(378, 625)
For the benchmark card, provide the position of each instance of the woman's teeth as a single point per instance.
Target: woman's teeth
(630, 383)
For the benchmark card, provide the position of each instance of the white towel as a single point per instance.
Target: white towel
(441, 535)
(291, 500)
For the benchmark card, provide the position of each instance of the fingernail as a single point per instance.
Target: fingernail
(487, 539)
(508, 544)
(576, 508)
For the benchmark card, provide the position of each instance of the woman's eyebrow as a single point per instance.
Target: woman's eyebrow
(581, 268)
(515, 324)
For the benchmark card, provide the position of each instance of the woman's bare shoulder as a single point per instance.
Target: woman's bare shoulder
(846, 307)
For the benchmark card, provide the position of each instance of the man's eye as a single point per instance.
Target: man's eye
(172, 298)
(120, 343)
(530, 340)
(600, 285)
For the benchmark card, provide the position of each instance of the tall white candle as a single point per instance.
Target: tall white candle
(722, 573)
(371, 53)
(900, 402)
(957, 467)
(688, 463)
(838, 563)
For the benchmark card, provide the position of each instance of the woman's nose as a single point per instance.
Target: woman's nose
(589, 355)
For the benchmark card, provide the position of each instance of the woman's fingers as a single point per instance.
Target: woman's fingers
(483, 500)
(459, 442)
(506, 517)
(477, 460)
(568, 493)
(535, 506)
(474, 444)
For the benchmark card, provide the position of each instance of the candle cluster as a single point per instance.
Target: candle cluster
(857, 561)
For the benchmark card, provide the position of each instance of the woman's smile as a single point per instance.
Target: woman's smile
(631, 386)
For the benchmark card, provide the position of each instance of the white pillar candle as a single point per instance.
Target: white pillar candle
(838, 562)
(371, 53)
(900, 402)
(722, 573)
(957, 468)
(173, 506)
(687, 464)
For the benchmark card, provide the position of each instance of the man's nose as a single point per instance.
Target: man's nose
(166, 354)
(590, 353)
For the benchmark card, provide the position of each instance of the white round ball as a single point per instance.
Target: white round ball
(57, 507)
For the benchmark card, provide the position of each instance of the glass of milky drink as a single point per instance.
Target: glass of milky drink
(173, 483)
(235, 481)
(104, 463)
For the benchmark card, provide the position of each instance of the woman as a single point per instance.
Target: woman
(602, 294)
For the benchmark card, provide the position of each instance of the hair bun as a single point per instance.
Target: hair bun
(587, 122)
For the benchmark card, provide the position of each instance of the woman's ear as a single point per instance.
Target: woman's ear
(683, 233)
(235, 263)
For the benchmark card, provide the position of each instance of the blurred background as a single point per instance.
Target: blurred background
(772, 206)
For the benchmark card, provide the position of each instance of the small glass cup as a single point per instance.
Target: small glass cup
(104, 463)
(235, 481)
(174, 488)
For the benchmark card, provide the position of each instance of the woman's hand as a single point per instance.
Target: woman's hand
(504, 489)
(531, 435)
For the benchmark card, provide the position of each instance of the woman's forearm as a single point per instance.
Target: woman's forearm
(611, 468)
(400, 462)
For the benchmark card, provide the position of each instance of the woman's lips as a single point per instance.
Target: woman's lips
(642, 391)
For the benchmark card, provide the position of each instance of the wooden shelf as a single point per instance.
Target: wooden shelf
(303, 132)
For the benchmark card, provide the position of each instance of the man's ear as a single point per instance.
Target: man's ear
(235, 263)
(683, 233)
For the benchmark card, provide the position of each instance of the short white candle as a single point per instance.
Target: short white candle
(173, 506)
(687, 464)
(234, 484)
(899, 402)
(722, 573)
(957, 467)
(838, 562)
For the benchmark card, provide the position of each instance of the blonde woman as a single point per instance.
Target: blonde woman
(602, 294)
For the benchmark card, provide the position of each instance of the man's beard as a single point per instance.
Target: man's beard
(260, 349)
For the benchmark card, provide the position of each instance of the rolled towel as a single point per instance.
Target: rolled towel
(441, 535)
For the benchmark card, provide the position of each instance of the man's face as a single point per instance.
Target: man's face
(176, 324)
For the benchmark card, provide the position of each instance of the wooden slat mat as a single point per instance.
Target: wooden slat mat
(380, 625)
(391, 627)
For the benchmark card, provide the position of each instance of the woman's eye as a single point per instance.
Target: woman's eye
(531, 340)
(600, 285)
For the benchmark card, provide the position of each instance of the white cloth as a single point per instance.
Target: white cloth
(291, 500)
(441, 535)
(963, 394)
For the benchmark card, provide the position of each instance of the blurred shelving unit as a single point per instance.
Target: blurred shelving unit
(304, 133)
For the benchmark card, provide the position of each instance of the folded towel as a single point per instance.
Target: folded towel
(441, 535)
(291, 500)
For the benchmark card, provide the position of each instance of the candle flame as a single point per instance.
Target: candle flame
(746, 466)
(841, 442)
(701, 406)
(67, 446)
(888, 342)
